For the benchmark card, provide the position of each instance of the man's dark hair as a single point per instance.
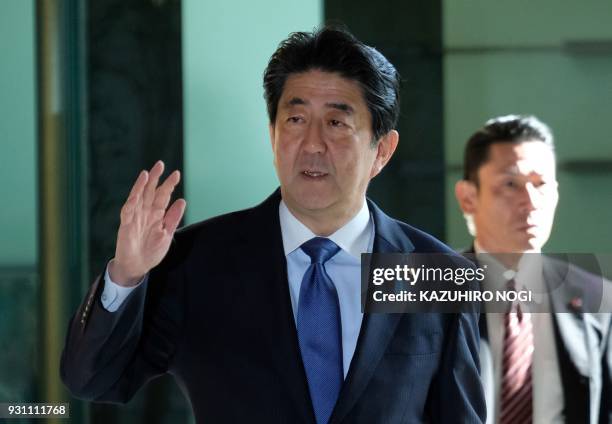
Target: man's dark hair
(504, 129)
(334, 49)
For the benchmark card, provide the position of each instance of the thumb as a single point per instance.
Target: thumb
(174, 215)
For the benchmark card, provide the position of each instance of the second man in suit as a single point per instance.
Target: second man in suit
(536, 367)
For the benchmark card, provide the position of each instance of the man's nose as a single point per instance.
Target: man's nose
(532, 197)
(313, 139)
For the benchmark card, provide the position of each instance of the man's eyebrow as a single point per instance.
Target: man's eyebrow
(513, 171)
(509, 170)
(341, 106)
(296, 101)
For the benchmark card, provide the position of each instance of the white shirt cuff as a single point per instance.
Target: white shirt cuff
(113, 294)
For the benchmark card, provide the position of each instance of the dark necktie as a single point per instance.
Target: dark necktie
(319, 329)
(516, 386)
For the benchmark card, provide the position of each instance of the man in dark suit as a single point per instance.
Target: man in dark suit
(536, 367)
(257, 313)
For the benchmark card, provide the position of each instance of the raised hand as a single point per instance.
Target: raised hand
(146, 227)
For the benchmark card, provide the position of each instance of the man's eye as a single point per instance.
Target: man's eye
(336, 123)
(294, 119)
(510, 184)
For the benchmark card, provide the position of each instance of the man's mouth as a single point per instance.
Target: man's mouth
(528, 227)
(314, 174)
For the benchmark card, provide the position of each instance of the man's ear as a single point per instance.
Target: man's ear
(384, 150)
(466, 193)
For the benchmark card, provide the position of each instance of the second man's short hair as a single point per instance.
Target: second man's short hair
(503, 129)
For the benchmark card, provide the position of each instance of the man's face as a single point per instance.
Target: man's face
(516, 198)
(322, 146)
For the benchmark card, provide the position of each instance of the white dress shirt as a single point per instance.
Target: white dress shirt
(546, 379)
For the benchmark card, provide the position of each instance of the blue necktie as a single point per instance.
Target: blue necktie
(319, 329)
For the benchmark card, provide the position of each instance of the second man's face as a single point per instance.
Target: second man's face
(322, 145)
(516, 198)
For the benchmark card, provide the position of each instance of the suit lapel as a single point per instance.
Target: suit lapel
(378, 329)
(570, 324)
(266, 266)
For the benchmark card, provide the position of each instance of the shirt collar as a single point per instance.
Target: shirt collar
(352, 237)
(528, 274)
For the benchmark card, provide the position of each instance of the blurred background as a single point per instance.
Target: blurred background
(93, 91)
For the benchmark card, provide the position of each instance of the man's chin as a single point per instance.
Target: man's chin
(314, 205)
(531, 243)
(313, 198)
(310, 202)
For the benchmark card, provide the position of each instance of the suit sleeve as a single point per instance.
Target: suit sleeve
(108, 356)
(457, 395)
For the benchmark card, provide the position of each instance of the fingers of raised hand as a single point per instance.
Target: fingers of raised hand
(127, 211)
(140, 183)
(164, 191)
(151, 186)
(135, 198)
(147, 202)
